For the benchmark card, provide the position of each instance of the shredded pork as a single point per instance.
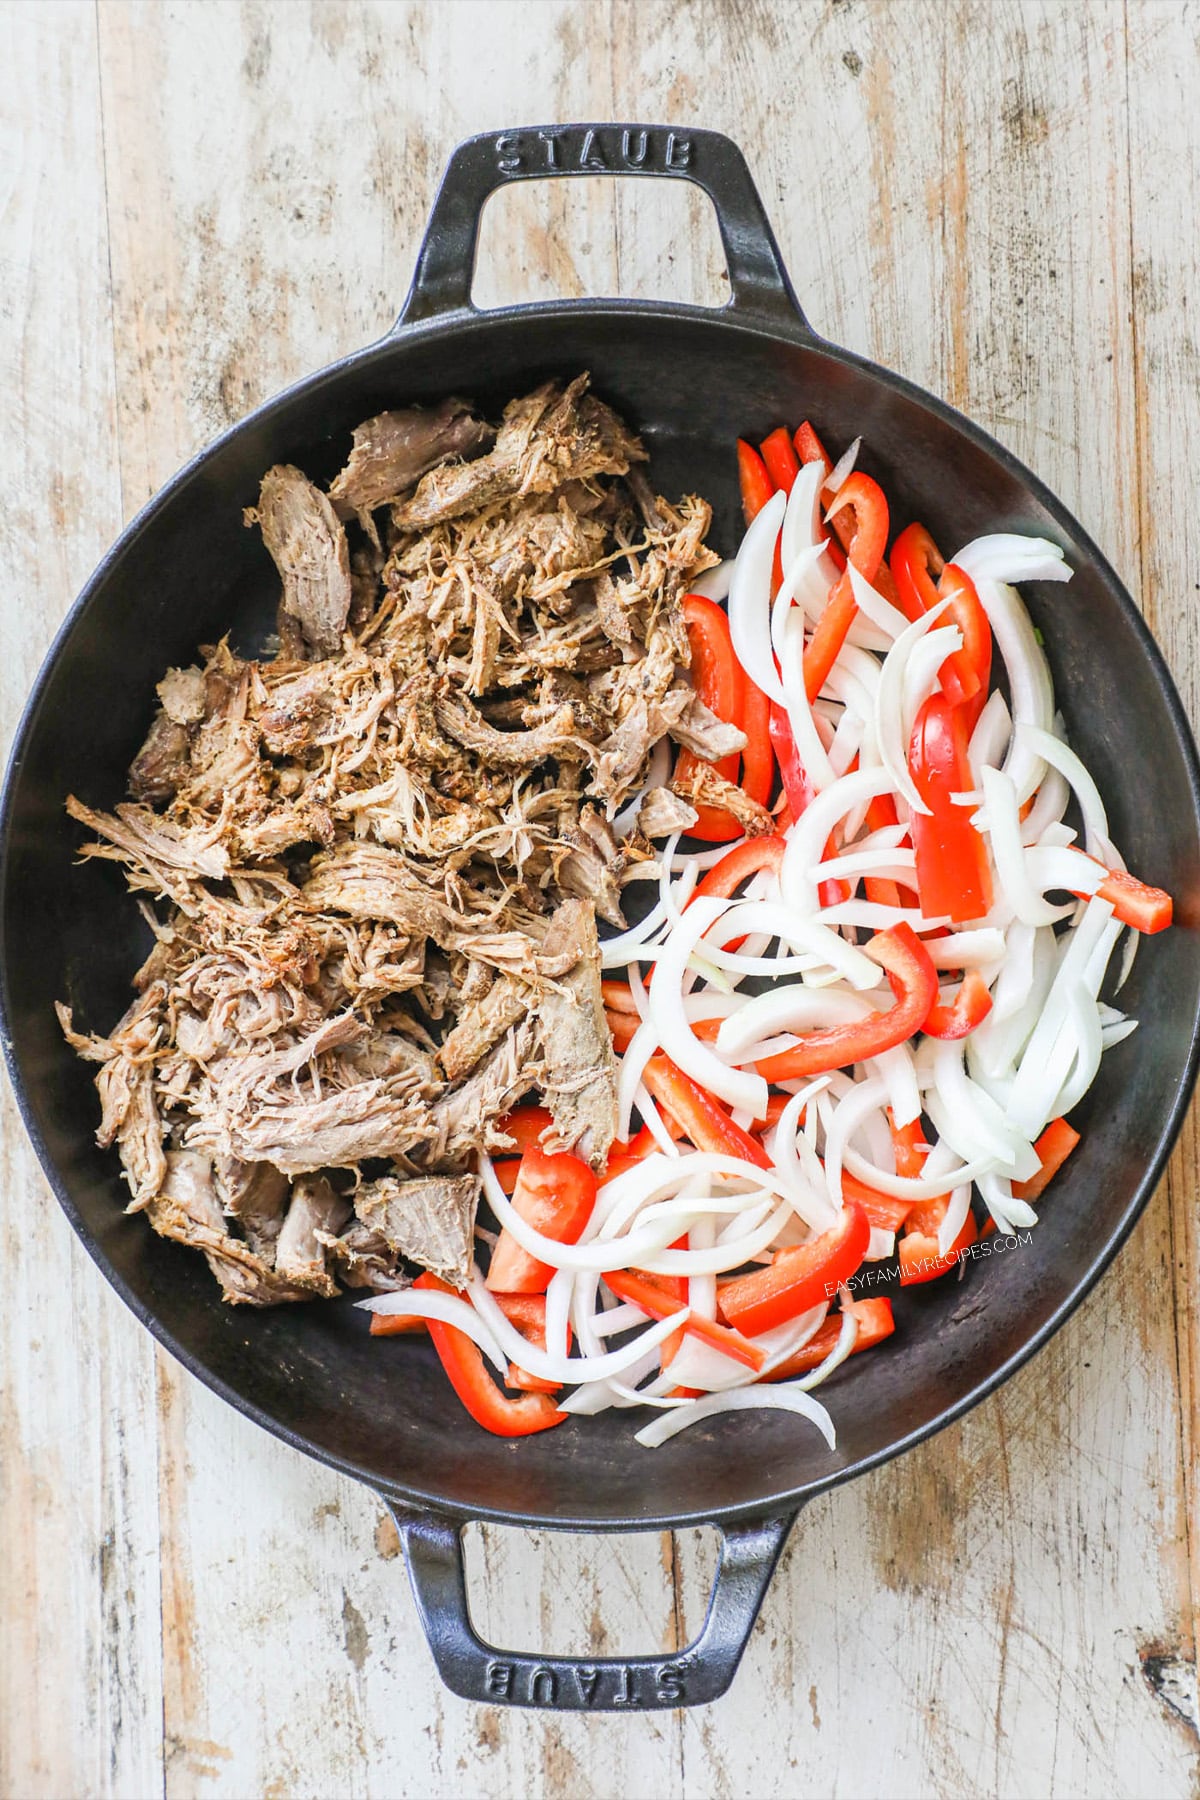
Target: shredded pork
(373, 863)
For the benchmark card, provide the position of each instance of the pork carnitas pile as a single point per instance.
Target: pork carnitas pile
(375, 861)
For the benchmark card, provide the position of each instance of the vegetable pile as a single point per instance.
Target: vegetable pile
(872, 994)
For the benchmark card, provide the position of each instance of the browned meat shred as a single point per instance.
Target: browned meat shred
(373, 863)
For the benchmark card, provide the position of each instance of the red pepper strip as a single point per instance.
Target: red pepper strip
(1147, 909)
(880, 813)
(756, 485)
(919, 1258)
(809, 448)
(644, 1292)
(704, 1120)
(487, 1404)
(914, 983)
(394, 1324)
(506, 1172)
(758, 763)
(775, 1110)
(967, 672)
(1053, 1147)
(796, 1278)
(908, 1145)
(617, 996)
(865, 551)
(781, 461)
(623, 1027)
(555, 1194)
(959, 1017)
(718, 679)
(525, 1126)
(725, 877)
(642, 1144)
(953, 876)
(916, 564)
(875, 1322)
(882, 1210)
(736, 866)
(796, 784)
(528, 1313)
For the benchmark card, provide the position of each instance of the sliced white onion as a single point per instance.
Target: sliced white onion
(447, 1309)
(785, 1397)
(1010, 557)
(736, 1087)
(890, 733)
(713, 584)
(750, 598)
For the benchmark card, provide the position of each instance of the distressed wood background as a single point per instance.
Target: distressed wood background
(201, 202)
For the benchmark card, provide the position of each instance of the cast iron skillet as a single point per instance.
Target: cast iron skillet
(690, 379)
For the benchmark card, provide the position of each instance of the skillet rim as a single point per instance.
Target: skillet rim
(741, 318)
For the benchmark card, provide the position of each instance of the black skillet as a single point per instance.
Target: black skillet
(690, 379)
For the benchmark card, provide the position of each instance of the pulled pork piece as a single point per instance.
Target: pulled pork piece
(704, 786)
(464, 1120)
(316, 1209)
(580, 1079)
(372, 864)
(393, 450)
(429, 1219)
(256, 1195)
(662, 813)
(550, 437)
(335, 1132)
(364, 1259)
(308, 546)
(161, 765)
(187, 1211)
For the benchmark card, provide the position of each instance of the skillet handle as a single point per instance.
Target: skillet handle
(446, 262)
(702, 1672)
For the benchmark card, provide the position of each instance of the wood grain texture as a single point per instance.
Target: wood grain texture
(201, 203)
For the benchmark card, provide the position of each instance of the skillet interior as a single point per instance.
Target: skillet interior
(188, 569)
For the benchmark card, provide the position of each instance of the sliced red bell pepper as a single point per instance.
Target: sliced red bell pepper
(738, 865)
(953, 875)
(657, 1302)
(796, 1278)
(394, 1324)
(758, 762)
(796, 785)
(919, 1257)
(916, 564)
(528, 1313)
(617, 997)
(1147, 909)
(623, 1027)
(881, 812)
(959, 1017)
(555, 1194)
(966, 673)
(883, 1210)
(875, 1322)
(914, 983)
(756, 485)
(1053, 1148)
(487, 1404)
(865, 550)
(909, 1148)
(780, 459)
(623, 1156)
(705, 1121)
(525, 1126)
(718, 679)
(809, 447)
(506, 1169)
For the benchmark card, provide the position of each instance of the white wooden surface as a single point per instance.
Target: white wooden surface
(199, 203)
